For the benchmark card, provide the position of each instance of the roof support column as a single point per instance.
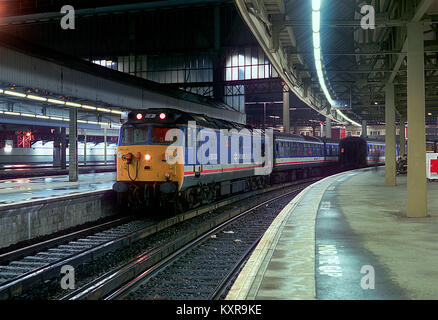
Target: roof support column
(402, 136)
(63, 148)
(73, 145)
(286, 109)
(328, 127)
(390, 152)
(364, 129)
(57, 147)
(417, 185)
(105, 151)
(85, 147)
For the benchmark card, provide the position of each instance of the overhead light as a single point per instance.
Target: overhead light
(56, 101)
(32, 97)
(16, 94)
(82, 121)
(103, 110)
(429, 114)
(376, 103)
(28, 115)
(316, 40)
(12, 113)
(316, 21)
(116, 111)
(56, 118)
(316, 5)
(89, 107)
(42, 117)
(317, 53)
(73, 104)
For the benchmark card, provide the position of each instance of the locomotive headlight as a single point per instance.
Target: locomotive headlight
(147, 157)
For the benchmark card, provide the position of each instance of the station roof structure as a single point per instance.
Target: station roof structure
(357, 62)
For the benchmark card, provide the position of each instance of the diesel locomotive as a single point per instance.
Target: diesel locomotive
(167, 157)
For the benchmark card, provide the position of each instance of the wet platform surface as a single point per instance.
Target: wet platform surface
(38, 170)
(15, 191)
(346, 237)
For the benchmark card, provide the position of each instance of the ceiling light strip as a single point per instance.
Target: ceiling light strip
(316, 36)
(57, 101)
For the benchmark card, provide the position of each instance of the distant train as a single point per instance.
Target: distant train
(42, 153)
(146, 177)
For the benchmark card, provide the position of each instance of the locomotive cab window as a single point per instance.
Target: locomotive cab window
(159, 135)
(134, 135)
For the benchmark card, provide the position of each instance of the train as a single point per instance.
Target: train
(358, 152)
(167, 157)
(41, 153)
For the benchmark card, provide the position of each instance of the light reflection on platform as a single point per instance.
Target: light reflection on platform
(14, 191)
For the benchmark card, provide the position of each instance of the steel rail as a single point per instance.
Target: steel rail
(122, 280)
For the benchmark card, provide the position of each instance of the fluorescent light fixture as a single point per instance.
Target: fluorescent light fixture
(316, 5)
(116, 112)
(103, 110)
(12, 113)
(28, 115)
(55, 118)
(89, 107)
(316, 40)
(82, 121)
(316, 21)
(16, 94)
(93, 122)
(56, 101)
(317, 53)
(42, 117)
(72, 104)
(32, 97)
(348, 119)
(1, 91)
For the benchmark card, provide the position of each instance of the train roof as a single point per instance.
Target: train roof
(174, 116)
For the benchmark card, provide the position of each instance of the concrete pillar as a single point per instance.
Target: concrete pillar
(328, 127)
(364, 129)
(85, 147)
(57, 147)
(390, 145)
(73, 145)
(417, 184)
(63, 148)
(402, 136)
(286, 111)
(104, 145)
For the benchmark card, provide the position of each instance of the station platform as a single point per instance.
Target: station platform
(346, 237)
(39, 170)
(27, 190)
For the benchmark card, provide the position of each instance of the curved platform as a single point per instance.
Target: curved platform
(346, 237)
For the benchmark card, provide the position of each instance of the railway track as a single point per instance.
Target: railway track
(200, 264)
(40, 265)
